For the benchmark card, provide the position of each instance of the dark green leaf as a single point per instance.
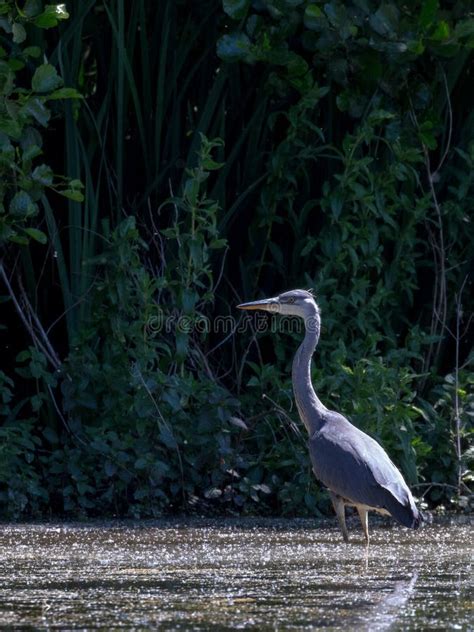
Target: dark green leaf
(46, 21)
(167, 437)
(22, 205)
(5, 24)
(464, 28)
(441, 31)
(51, 15)
(77, 184)
(46, 79)
(50, 434)
(32, 51)
(31, 152)
(64, 93)
(23, 356)
(23, 241)
(32, 8)
(36, 108)
(314, 18)
(428, 13)
(7, 79)
(234, 47)
(16, 64)
(72, 194)
(19, 33)
(36, 234)
(43, 174)
(336, 14)
(385, 20)
(236, 9)
(218, 243)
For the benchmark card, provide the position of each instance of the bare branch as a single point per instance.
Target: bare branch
(43, 343)
(45, 340)
(283, 412)
(450, 126)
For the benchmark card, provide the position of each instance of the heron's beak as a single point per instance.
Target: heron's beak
(267, 305)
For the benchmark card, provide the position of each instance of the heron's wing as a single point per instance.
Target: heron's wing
(353, 465)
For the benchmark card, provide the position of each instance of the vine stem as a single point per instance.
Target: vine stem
(438, 244)
(41, 340)
(457, 336)
(457, 415)
(439, 249)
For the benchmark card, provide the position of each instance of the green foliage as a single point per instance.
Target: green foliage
(21, 488)
(347, 208)
(442, 463)
(347, 167)
(26, 88)
(128, 388)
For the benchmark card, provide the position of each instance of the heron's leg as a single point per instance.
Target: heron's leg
(338, 505)
(364, 518)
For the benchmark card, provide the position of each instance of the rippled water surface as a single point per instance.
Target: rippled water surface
(217, 575)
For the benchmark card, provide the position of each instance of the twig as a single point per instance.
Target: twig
(283, 412)
(71, 307)
(44, 345)
(247, 350)
(433, 485)
(224, 340)
(203, 358)
(439, 250)
(62, 418)
(440, 281)
(175, 206)
(457, 337)
(450, 127)
(221, 271)
(457, 416)
(429, 486)
(55, 359)
(244, 357)
(160, 246)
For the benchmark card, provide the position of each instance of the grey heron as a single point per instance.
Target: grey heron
(354, 467)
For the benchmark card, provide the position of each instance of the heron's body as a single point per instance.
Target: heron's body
(358, 471)
(354, 467)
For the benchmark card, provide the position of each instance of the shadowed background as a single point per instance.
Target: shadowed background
(213, 153)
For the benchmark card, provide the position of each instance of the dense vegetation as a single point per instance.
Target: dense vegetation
(162, 161)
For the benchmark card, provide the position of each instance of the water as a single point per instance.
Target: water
(218, 575)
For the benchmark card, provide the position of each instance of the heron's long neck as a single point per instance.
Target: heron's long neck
(310, 408)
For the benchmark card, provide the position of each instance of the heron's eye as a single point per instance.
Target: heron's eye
(291, 300)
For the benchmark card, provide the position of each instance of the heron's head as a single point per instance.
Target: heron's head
(293, 303)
